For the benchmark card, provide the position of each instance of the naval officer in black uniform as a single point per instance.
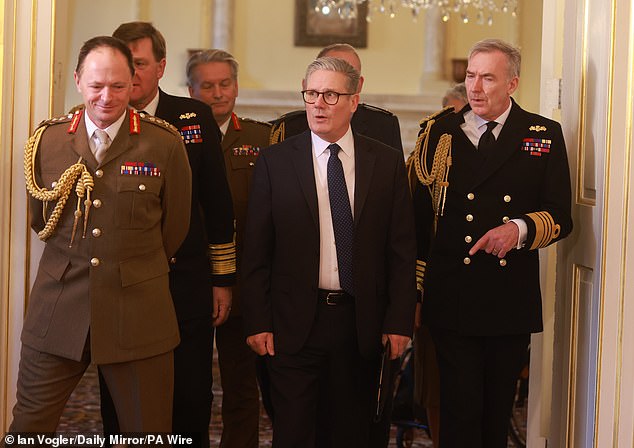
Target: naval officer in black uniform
(500, 191)
(206, 260)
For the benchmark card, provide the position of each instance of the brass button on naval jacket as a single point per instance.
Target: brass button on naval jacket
(96, 232)
(99, 173)
(142, 187)
(505, 219)
(466, 260)
(95, 261)
(502, 262)
(468, 239)
(471, 196)
(507, 198)
(469, 217)
(96, 203)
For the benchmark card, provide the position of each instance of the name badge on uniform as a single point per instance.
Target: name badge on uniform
(140, 169)
(246, 150)
(191, 134)
(536, 146)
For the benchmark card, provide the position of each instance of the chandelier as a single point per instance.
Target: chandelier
(481, 10)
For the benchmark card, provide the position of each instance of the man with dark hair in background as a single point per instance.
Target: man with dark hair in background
(206, 260)
(101, 294)
(212, 76)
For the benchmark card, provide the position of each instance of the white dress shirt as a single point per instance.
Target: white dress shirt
(328, 267)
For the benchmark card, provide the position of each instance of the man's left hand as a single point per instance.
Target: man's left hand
(398, 343)
(222, 304)
(498, 241)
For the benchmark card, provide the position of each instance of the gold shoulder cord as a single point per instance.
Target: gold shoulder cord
(436, 181)
(75, 173)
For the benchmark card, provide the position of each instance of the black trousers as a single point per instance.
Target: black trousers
(477, 386)
(192, 384)
(323, 394)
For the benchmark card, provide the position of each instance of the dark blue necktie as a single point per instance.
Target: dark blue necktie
(342, 223)
(487, 140)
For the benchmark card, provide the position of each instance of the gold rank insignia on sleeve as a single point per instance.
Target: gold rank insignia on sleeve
(545, 229)
(537, 128)
(223, 258)
(420, 274)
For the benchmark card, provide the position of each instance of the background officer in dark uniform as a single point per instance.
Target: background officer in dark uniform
(505, 194)
(206, 259)
(212, 76)
(101, 294)
(368, 120)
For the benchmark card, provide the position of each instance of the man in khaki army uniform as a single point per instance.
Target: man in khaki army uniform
(110, 196)
(213, 78)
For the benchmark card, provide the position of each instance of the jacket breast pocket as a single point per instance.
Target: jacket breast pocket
(138, 202)
(240, 176)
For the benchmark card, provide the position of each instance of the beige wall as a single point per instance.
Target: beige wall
(263, 43)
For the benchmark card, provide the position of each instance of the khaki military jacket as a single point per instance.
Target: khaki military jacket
(241, 146)
(112, 282)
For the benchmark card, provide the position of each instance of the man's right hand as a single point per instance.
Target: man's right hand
(262, 343)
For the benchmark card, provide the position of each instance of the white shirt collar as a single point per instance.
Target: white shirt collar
(478, 121)
(224, 127)
(346, 143)
(151, 107)
(111, 130)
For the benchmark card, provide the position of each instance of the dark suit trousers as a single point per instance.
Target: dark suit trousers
(141, 389)
(321, 395)
(240, 396)
(477, 386)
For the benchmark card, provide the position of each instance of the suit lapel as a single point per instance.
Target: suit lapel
(505, 146)
(79, 142)
(364, 161)
(302, 159)
(230, 138)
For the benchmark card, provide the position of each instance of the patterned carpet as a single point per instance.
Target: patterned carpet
(82, 414)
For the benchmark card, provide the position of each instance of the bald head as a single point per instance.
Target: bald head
(345, 52)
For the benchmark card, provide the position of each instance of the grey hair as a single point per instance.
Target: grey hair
(512, 54)
(335, 65)
(207, 56)
(459, 92)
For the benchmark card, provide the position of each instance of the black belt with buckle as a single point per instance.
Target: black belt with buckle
(334, 297)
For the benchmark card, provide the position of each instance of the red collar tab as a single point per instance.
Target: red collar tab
(235, 121)
(135, 122)
(75, 121)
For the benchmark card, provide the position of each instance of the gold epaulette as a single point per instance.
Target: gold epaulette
(261, 123)
(223, 258)
(376, 109)
(160, 122)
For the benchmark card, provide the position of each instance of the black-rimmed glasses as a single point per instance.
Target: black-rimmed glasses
(331, 98)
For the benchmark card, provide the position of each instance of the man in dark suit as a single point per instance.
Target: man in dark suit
(110, 194)
(367, 120)
(328, 266)
(505, 194)
(206, 260)
(212, 76)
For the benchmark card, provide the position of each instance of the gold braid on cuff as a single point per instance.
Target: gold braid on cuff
(545, 229)
(420, 274)
(223, 258)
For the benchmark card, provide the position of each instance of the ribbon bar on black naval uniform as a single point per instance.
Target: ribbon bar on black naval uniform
(191, 134)
(536, 146)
